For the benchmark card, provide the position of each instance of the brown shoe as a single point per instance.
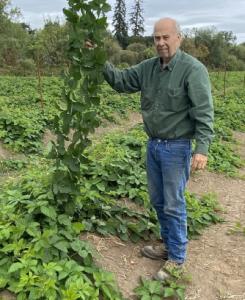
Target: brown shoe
(167, 269)
(155, 252)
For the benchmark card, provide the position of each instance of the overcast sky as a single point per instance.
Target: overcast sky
(228, 15)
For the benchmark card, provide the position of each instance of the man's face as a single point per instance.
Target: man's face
(166, 40)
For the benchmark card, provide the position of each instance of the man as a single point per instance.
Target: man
(176, 105)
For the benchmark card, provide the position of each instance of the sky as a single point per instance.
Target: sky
(227, 15)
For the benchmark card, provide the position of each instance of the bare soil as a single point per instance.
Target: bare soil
(121, 125)
(6, 153)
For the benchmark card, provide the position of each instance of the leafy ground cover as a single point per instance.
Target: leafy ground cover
(39, 241)
(26, 113)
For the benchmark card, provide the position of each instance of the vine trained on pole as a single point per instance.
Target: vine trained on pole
(82, 84)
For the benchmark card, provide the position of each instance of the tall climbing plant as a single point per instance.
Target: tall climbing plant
(82, 84)
(41, 256)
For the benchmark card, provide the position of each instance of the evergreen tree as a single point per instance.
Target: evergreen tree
(119, 23)
(137, 19)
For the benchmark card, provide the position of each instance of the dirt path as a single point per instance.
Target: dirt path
(216, 261)
(6, 153)
(121, 125)
(124, 125)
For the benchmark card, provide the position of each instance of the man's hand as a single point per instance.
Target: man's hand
(90, 45)
(199, 162)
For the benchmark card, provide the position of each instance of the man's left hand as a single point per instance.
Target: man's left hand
(199, 162)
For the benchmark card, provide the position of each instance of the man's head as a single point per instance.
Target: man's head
(167, 38)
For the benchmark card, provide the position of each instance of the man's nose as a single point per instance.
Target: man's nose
(161, 42)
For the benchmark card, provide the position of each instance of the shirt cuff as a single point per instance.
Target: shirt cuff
(201, 149)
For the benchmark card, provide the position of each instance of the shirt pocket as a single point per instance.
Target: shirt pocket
(177, 99)
(146, 99)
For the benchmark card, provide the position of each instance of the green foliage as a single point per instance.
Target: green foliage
(39, 244)
(117, 165)
(129, 57)
(25, 127)
(139, 49)
(201, 213)
(24, 117)
(222, 158)
(35, 228)
(113, 104)
(151, 289)
(40, 254)
(50, 45)
(7, 165)
(22, 47)
(22, 131)
(112, 49)
(214, 48)
(229, 115)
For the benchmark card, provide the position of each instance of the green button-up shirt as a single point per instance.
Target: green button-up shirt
(176, 100)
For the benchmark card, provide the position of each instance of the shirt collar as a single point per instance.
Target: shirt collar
(172, 62)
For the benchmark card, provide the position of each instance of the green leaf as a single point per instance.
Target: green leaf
(15, 267)
(71, 16)
(181, 294)
(64, 219)
(168, 292)
(155, 297)
(3, 282)
(155, 287)
(4, 261)
(49, 211)
(62, 245)
(78, 227)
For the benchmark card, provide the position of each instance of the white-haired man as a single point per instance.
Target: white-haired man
(177, 107)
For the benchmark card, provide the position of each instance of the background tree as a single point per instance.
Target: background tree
(14, 39)
(188, 45)
(218, 44)
(120, 24)
(112, 49)
(216, 49)
(23, 50)
(139, 50)
(137, 19)
(51, 44)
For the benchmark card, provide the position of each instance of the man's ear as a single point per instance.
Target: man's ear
(180, 38)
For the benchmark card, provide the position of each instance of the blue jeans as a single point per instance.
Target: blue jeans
(168, 170)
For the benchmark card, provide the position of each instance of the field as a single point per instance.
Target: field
(113, 216)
